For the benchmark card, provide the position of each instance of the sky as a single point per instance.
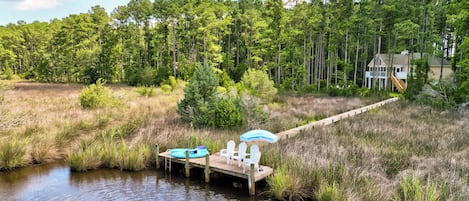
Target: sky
(12, 11)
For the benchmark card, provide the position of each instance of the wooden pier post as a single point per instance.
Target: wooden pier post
(207, 168)
(252, 180)
(157, 158)
(187, 165)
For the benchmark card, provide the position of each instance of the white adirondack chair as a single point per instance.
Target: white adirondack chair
(228, 152)
(240, 155)
(255, 157)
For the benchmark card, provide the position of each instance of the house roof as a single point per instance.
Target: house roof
(403, 59)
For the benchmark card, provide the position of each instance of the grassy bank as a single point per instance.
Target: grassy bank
(168, 132)
(414, 154)
(47, 120)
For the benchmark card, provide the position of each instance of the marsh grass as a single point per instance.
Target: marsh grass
(330, 192)
(56, 125)
(213, 145)
(412, 189)
(284, 185)
(12, 153)
(111, 155)
(87, 159)
(368, 156)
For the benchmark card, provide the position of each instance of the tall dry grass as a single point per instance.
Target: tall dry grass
(381, 148)
(50, 117)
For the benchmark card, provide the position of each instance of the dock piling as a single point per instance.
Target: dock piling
(252, 180)
(157, 157)
(187, 165)
(207, 168)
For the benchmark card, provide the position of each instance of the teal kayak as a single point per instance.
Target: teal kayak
(193, 153)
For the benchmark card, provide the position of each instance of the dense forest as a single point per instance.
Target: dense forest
(301, 45)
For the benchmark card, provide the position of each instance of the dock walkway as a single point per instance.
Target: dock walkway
(215, 163)
(323, 122)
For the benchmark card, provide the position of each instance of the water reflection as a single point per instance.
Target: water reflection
(56, 182)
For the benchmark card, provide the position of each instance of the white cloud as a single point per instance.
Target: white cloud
(26, 5)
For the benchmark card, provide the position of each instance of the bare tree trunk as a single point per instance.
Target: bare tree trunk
(174, 49)
(311, 67)
(328, 75)
(364, 65)
(321, 61)
(279, 68)
(356, 61)
(346, 57)
(305, 60)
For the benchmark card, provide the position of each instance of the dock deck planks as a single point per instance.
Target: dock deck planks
(218, 164)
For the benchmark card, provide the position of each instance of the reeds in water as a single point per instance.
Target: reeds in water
(111, 155)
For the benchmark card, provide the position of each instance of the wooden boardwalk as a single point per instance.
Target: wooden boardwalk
(323, 122)
(218, 164)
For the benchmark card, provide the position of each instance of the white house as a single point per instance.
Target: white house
(396, 67)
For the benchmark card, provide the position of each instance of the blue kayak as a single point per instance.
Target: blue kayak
(193, 153)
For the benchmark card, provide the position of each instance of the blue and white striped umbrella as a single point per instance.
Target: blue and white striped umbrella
(258, 135)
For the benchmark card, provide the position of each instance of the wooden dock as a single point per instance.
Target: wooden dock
(215, 163)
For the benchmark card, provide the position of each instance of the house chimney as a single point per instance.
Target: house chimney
(405, 52)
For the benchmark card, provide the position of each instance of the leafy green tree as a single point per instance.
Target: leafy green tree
(258, 84)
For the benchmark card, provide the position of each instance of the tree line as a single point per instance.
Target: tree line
(306, 45)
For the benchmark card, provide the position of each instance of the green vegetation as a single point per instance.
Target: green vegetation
(146, 91)
(110, 150)
(97, 96)
(200, 92)
(329, 192)
(284, 184)
(258, 84)
(203, 106)
(114, 155)
(311, 46)
(12, 153)
(411, 189)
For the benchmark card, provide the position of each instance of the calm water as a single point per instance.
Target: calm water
(56, 182)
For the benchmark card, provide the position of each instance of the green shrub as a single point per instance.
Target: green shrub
(8, 73)
(223, 78)
(166, 88)
(12, 152)
(146, 91)
(226, 114)
(172, 82)
(97, 96)
(258, 84)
